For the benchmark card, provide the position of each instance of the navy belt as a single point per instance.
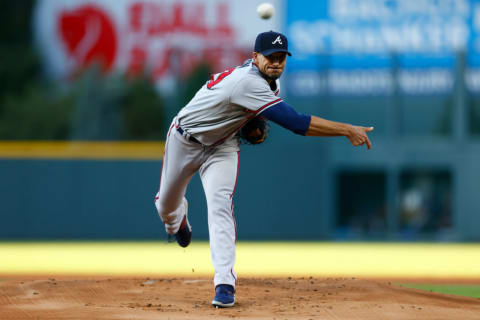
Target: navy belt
(188, 137)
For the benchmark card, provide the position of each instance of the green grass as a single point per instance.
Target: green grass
(462, 290)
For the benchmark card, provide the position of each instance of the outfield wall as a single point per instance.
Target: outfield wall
(289, 189)
(108, 199)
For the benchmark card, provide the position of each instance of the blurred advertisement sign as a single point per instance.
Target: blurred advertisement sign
(355, 47)
(166, 37)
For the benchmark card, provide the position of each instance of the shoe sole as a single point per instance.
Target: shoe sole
(189, 228)
(184, 245)
(222, 305)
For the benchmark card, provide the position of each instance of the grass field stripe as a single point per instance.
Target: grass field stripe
(262, 259)
(462, 290)
(81, 150)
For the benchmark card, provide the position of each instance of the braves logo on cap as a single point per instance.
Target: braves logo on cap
(279, 40)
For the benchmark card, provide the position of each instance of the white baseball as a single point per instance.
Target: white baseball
(265, 10)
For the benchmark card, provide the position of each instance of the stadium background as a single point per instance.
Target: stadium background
(413, 75)
(88, 89)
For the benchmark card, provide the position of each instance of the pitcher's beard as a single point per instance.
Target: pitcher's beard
(270, 78)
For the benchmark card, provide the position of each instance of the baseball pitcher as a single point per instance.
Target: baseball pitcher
(205, 135)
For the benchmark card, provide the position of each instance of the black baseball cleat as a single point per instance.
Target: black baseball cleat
(184, 234)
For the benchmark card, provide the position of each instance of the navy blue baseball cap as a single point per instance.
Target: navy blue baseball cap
(270, 42)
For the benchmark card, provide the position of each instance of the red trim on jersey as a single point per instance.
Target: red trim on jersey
(222, 75)
(170, 130)
(236, 178)
(268, 104)
(234, 222)
(163, 160)
(264, 106)
(231, 196)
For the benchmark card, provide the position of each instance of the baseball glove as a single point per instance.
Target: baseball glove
(254, 131)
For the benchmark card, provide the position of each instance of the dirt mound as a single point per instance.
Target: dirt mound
(188, 298)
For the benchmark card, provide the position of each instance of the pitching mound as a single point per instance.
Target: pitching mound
(188, 298)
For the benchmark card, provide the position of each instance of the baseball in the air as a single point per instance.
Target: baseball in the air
(265, 10)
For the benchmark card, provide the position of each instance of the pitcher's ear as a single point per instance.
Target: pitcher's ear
(254, 56)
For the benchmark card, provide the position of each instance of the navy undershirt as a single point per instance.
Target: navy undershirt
(285, 116)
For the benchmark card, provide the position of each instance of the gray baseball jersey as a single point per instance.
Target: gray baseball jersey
(226, 102)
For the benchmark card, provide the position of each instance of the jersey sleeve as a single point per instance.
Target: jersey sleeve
(284, 115)
(254, 94)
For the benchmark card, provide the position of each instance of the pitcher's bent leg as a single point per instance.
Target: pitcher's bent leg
(178, 167)
(219, 178)
(172, 220)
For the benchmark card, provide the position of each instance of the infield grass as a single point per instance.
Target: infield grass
(461, 290)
